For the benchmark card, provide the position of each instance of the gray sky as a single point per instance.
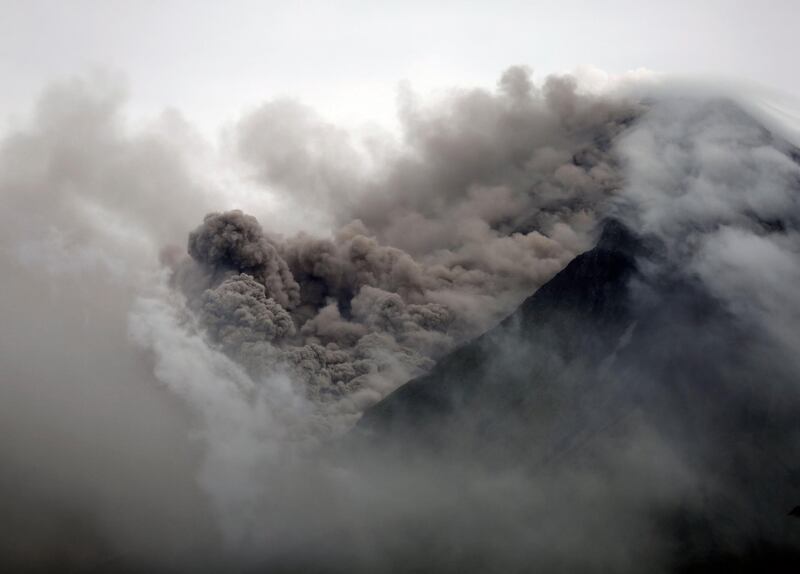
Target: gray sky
(212, 60)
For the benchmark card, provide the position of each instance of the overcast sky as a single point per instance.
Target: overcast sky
(212, 60)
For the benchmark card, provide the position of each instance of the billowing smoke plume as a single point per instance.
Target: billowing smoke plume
(236, 241)
(178, 365)
(491, 195)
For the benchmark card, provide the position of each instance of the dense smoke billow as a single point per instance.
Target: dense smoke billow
(184, 355)
(491, 195)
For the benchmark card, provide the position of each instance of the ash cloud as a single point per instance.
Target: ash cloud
(235, 240)
(477, 165)
(490, 194)
(238, 311)
(188, 411)
(93, 450)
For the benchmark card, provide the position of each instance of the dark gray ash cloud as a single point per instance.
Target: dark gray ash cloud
(490, 194)
(176, 372)
(233, 240)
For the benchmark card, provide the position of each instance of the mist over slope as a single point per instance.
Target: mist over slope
(671, 340)
(651, 391)
(182, 368)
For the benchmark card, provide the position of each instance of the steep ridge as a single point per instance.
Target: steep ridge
(601, 355)
(573, 322)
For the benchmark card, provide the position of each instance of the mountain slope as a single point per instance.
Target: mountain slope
(576, 318)
(596, 360)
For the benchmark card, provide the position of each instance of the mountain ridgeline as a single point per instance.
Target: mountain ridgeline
(628, 371)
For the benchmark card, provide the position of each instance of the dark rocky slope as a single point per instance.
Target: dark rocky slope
(601, 352)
